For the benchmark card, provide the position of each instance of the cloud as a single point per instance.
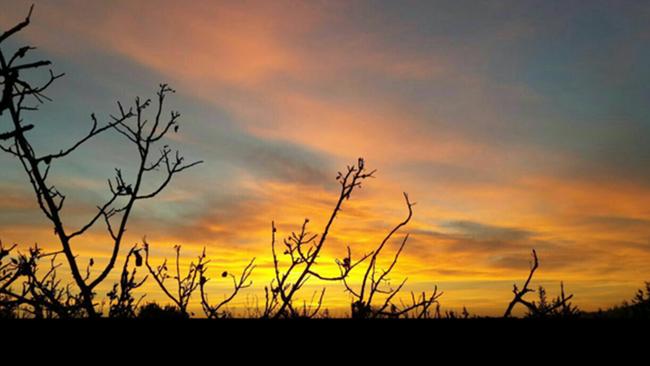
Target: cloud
(511, 125)
(487, 232)
(268, 159)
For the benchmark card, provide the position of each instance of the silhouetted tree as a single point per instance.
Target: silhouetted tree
(376, 282)
(216, 311)
(558, 307)
(184, 285)
(640, 304)
(303, 250)
(145, 134)
(196, 278)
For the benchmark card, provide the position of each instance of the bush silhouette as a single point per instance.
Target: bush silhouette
(636, 308)
(154, 311)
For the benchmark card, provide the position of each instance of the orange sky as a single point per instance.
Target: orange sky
(503, 121)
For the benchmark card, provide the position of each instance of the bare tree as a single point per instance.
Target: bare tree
(376, 282)
(145, 134)
(303, 250)
(195, 278)
(217, 311)
(519, 294)
(184, 285)
(560, 305)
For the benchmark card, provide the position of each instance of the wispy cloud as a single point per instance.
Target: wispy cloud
(513, 125)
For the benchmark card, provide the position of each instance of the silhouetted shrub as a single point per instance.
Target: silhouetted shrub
(558, 307)
(8, 308)
(637, 308)
(122, 303)
(154, 311)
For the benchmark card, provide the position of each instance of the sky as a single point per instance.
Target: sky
(513, 124)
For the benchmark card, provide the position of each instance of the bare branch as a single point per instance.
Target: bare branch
(518, 298)
(18, 27)
(214, 311)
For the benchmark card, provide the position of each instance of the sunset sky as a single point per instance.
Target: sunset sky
(513, 125)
